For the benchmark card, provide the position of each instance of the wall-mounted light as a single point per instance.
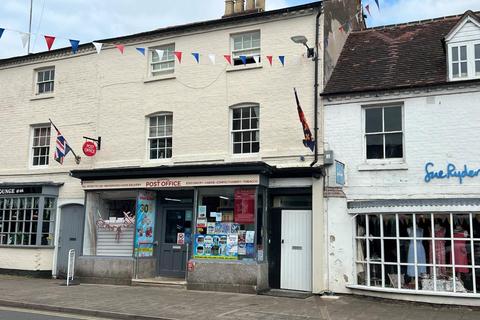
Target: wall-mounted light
(303, 40)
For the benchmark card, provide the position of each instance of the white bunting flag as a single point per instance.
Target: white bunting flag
(212, 57)
(257, 59)
(98, 46)
(25, 38)
(160, 53)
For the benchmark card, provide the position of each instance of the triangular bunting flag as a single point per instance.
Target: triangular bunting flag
(141, 50)
(49, 40)
(196, 55)
(228, 58)
(378, 5)
(270, 59)
(1, 32)
(120, 47)
(341, 29)
(282, 60)
(367, 7)
(74, 44)
(244, 60)
(212, 58)
(178, 54)
(347, 27)
(160, 54)
(25, 38)
(257, 59)
(98, 46)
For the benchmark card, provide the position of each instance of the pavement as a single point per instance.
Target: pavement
(147, 303)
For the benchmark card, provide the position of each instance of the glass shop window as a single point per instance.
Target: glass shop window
(225, 224)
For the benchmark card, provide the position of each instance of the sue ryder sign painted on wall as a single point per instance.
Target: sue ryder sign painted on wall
(450, 171)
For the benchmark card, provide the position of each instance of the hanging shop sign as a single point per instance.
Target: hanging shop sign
(7, 190)
(244, 206)
(145, 224)
(89, 148)
(176, 182)
(339, 173)
(449, 172)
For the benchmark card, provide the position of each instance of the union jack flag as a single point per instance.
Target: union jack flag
(62, 148)
(308, 141)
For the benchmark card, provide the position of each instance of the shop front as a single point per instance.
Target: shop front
(205, 226)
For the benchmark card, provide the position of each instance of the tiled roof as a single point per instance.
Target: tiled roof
(393, 57)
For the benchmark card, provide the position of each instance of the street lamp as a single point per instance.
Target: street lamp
(303, 40)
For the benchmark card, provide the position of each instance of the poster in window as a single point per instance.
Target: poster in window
(244, 206)
(145, 225)
(215, 246)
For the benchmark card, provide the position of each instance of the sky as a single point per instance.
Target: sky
(88, 20)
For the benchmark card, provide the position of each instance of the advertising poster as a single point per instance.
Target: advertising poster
(244, 206)
(214, 246)
(145, 225)
(202, 212)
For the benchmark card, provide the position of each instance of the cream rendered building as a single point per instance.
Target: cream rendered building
(212, 146)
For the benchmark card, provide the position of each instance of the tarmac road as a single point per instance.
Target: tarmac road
(23, 314)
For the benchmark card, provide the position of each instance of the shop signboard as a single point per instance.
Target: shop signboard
(145, 224)
(244, 206)
(12, 190)
(339, 173)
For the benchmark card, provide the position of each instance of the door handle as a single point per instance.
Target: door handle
(283, 241)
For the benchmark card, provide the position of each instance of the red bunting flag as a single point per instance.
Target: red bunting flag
(178, 54)
(270, 59)
(341, 29)
(49, 40)
(120, 47)
(367, 7)
(228, 58)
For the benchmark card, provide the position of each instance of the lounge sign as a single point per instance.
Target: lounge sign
(5, 191)
(167, 183)
(449, 172)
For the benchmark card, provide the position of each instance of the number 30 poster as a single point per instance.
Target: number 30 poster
(145, 225)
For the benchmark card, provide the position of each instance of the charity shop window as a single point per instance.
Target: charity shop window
(27, 221)
(162, 60)
(160, 136)
(245, 48)
(40, 146)
(225, 224)
(384, 132)
(437, 252)
(45, 80)
(245, 129)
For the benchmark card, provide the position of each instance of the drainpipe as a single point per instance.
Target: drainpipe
(317, 31)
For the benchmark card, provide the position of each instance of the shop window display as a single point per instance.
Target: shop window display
(225, 224)
(424, 251)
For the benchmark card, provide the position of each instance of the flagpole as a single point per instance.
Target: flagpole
(77, 158)
(30, 27)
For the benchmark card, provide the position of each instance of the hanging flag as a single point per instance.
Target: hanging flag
(120, 47)
(49, 40)
(160, 54)
(178, 54)
(257, 59)
(367, 7)
(244, 60)
(341, 29)
(282, 60)
(1, 32)
(141, 50)
(196, 55)
(62, 147)
(98, 46)
(308, 139)
(378, 5)
(74, 44)
(212, 58)
(228, 58)
(270, 59)
(25, 38)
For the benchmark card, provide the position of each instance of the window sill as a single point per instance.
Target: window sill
(382, 166)
(43, 96)
(159, 78)
(244, 67)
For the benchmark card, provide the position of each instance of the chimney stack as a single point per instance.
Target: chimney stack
(261, 5)
(228, 7)
(250, 5)
(239, 6)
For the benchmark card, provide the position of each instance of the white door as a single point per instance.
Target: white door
(296, 260)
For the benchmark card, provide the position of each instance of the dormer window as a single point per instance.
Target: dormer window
(459, 62)
(477, 59)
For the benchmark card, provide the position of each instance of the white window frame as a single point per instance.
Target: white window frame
(149, 138)
(383, 132)
(168, 57)
(39, 83)
(33, 128)
(471, 72)
(475, 60)
(233, 131)
(240, 52)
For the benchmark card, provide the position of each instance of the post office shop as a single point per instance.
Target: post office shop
(204, 226)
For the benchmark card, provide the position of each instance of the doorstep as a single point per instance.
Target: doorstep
(161, 282)
(287, 293)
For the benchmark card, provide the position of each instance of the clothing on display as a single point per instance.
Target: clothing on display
(421, 257)
(440, 252)
(460, 250)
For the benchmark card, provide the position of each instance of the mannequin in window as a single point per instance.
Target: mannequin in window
(421, 258)
(460, 249)
(439, 250)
